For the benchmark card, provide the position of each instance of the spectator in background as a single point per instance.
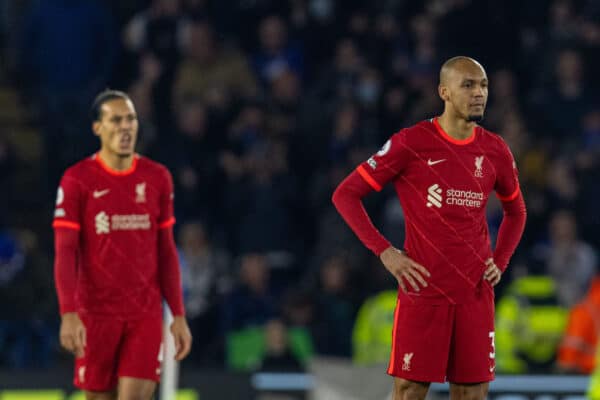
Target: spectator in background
(253, 301)
(191, 149)
(264, 201)
(142, 91)
(590, 137)
(276, 54)
(285, 118)
(279, 355)
(593, 392)
(335, 310)
(61, 43)
(8, 168)
(367, 93)
(388, 38)
(569, 261)
(563, 27)
(246, 130)
(26, 333)
(424, 35)
(62, 40)
(530, 320)
(210, 70)
(578, 348)
(562, 188)
(207, 280)
(345, 134)
(394, 109)
(587, 169)
(372, 334)
(358, 26)
(298, 309)
(284, 100)
(157, 29)
(426, 102)
(335, 84)
(196, 9)
(504, 99)
(566, 99)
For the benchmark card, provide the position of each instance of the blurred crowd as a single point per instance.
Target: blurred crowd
(259, 108)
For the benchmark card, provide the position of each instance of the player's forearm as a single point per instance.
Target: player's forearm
(169, 271)
(347, 199)
(511, 230)
(66, 243)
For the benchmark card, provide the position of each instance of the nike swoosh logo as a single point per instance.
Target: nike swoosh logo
(100, 193)
(492, 368)
(430, 163)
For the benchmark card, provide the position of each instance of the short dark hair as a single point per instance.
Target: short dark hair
(103, 97)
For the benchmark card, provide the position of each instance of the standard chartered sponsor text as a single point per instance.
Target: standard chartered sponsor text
(130, 222)
(466, 198)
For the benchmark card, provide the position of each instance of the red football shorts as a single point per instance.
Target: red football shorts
(118, 348)
(439, 343)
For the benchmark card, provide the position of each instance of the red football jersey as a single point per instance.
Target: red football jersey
(443, 185)
(118, 214)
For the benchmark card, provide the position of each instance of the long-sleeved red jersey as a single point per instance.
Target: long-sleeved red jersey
(115, 253)
(443, 185)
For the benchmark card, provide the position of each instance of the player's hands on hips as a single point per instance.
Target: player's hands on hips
(404, 269)
(492, 273)
(72, 333)
(183, 337)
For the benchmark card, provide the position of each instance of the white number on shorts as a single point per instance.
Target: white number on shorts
(493, 353)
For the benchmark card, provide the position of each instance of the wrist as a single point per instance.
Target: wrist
(386, 250)
(69, 315)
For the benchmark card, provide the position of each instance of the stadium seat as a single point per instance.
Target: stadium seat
(245, 348)
(301, 344)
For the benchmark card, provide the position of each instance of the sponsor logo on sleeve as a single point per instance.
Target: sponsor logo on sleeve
(385, 148)
(60, 196)
(372, 163)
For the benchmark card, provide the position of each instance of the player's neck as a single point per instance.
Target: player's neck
(114, 161)
(457, 128)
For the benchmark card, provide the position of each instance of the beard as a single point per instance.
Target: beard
(475, 118)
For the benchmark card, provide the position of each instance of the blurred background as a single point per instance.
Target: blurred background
(259, 108)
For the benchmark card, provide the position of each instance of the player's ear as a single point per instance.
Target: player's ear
(96, 127)
(443, 92)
